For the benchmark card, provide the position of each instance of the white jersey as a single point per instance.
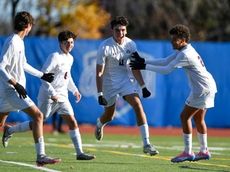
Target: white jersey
(13, 63)
(200, 80)
(60, 64)
(115, 57)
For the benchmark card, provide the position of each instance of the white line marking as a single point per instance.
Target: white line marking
(29, 165)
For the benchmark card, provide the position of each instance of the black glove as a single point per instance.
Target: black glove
(21, 90)
(145, 92)
(102, 101)
(135, 57)
(49, 77)
(135, 65)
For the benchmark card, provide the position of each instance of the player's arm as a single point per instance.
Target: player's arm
(161, 61)
(137, 74)
(174, 63)
(48, 67)
(49, 77)
(19, 88)
(73, 88)
(99, 79)
(6, 77)
(6, 59)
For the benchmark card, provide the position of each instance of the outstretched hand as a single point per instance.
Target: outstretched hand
(137, 62)
(135, 65)
(136, 57)
(49, 77)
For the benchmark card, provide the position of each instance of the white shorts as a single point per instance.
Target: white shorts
(49, 108)
(202, 101)
(10, 101)
(126, 88)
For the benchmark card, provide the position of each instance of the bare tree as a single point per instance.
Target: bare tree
(151, 19)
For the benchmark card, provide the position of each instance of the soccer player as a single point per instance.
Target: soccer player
(53, 97)
(13, 96)
(114, 77)
(202, 84)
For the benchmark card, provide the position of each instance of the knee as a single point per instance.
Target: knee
(39, 117)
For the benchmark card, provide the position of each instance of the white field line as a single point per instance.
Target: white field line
(29, 165)
(93, 147)
(138, 146)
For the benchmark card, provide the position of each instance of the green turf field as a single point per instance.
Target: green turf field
(116, 153)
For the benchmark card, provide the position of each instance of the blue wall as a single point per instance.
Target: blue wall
(168, 91)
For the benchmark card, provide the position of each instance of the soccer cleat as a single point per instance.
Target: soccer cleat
(84, 156)
(6, 136)
(151, 150)
(183, 157)
(44, 159)
(202, 156)
(99, 132)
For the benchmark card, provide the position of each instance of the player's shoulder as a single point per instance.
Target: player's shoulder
(188, 53)
(127, 39)
(54, 56)
(109, 42)
(13, 39)
(189, 50)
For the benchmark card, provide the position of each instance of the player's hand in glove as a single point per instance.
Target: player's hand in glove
(136, 57)
(21, 90)
(102, 100)
(49, 77)
(135, 65)
(145, 92)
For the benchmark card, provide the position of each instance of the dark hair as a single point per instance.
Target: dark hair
(181, 31)
(65, 35)
(22, 20)
(119, 20)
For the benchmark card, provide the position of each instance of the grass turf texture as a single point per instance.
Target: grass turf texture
(115, 153)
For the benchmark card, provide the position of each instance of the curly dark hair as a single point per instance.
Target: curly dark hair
(181, 31)
(22, 20)
(65, 35)
(119, 20)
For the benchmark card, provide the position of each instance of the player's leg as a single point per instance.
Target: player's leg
(107, 116)
(54, 123)
(134, 101)
(37, 129)
(46, 108)
(3, 117)
(59, 125)
(199, 119)
(186, 115)
(75, 136)
(6, 135)
(12, 102)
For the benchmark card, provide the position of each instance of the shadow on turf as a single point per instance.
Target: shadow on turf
(196, 168)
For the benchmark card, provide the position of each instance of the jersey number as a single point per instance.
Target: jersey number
(121, 62)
